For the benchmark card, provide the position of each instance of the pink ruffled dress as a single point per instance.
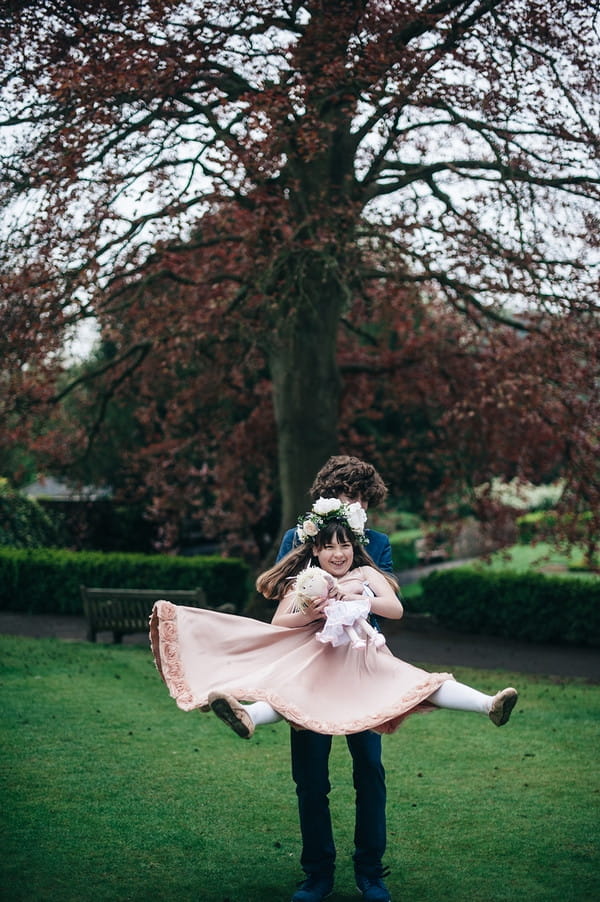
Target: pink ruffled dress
(335, 690)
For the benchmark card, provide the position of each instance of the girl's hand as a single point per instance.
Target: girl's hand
(317, 607)
(349, 585)
(284, 617)
(355, 596)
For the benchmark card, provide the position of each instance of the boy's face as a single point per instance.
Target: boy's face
(349, 500)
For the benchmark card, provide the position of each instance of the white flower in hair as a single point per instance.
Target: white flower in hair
(326, 505)
(357, 517)
(310, 528)
(325, 509)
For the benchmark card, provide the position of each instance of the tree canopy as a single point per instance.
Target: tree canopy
(300, 224)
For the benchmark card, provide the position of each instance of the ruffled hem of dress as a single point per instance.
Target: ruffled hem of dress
(384, 721)
(164, 642)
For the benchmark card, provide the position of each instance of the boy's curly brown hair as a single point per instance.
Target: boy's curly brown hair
(346, 475)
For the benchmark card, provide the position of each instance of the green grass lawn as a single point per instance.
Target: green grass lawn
(541, 557)
(109, 792)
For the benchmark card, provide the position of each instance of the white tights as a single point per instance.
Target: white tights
(451, 694)
(262, 713)
(460, 697)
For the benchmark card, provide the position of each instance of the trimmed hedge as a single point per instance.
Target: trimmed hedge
(46, 581)
(527, 606)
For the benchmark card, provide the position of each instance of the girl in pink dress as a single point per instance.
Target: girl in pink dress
(211, 660)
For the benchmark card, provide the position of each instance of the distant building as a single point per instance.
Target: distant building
(51, 489)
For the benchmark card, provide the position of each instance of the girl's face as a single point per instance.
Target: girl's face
(335, 557)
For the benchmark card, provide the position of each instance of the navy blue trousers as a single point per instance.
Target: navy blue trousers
(310, 770)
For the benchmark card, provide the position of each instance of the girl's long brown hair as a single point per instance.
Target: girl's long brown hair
(273, 583)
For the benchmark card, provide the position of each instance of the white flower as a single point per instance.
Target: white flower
(326, 509)
(356, 517)
(310, 528)
(326, 505)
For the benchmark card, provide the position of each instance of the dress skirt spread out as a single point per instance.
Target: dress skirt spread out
(326, 689)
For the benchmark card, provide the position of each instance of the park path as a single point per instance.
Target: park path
(414, 638)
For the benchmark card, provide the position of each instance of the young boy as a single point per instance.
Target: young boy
(349, 479)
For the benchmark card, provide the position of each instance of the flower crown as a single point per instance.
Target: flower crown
(325, 509)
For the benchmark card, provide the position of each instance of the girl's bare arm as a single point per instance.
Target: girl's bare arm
(385, 603)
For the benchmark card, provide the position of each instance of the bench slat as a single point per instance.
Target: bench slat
(126, 611)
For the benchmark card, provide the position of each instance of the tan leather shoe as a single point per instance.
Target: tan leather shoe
(502, 705)
(231, 712)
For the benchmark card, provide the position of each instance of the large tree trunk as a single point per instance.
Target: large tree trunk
(306, 387)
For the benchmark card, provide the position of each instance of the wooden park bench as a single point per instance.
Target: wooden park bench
(126, 611)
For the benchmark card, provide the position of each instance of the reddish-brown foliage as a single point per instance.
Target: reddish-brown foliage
(300, 225)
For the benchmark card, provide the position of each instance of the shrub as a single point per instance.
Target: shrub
(404, 554)
(100, 525)
(535, 525)
(47, 580)
(24, 523)
(527, 606)
(539, 525)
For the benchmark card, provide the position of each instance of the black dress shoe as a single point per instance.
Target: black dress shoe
(315, 888)
(373, 889)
